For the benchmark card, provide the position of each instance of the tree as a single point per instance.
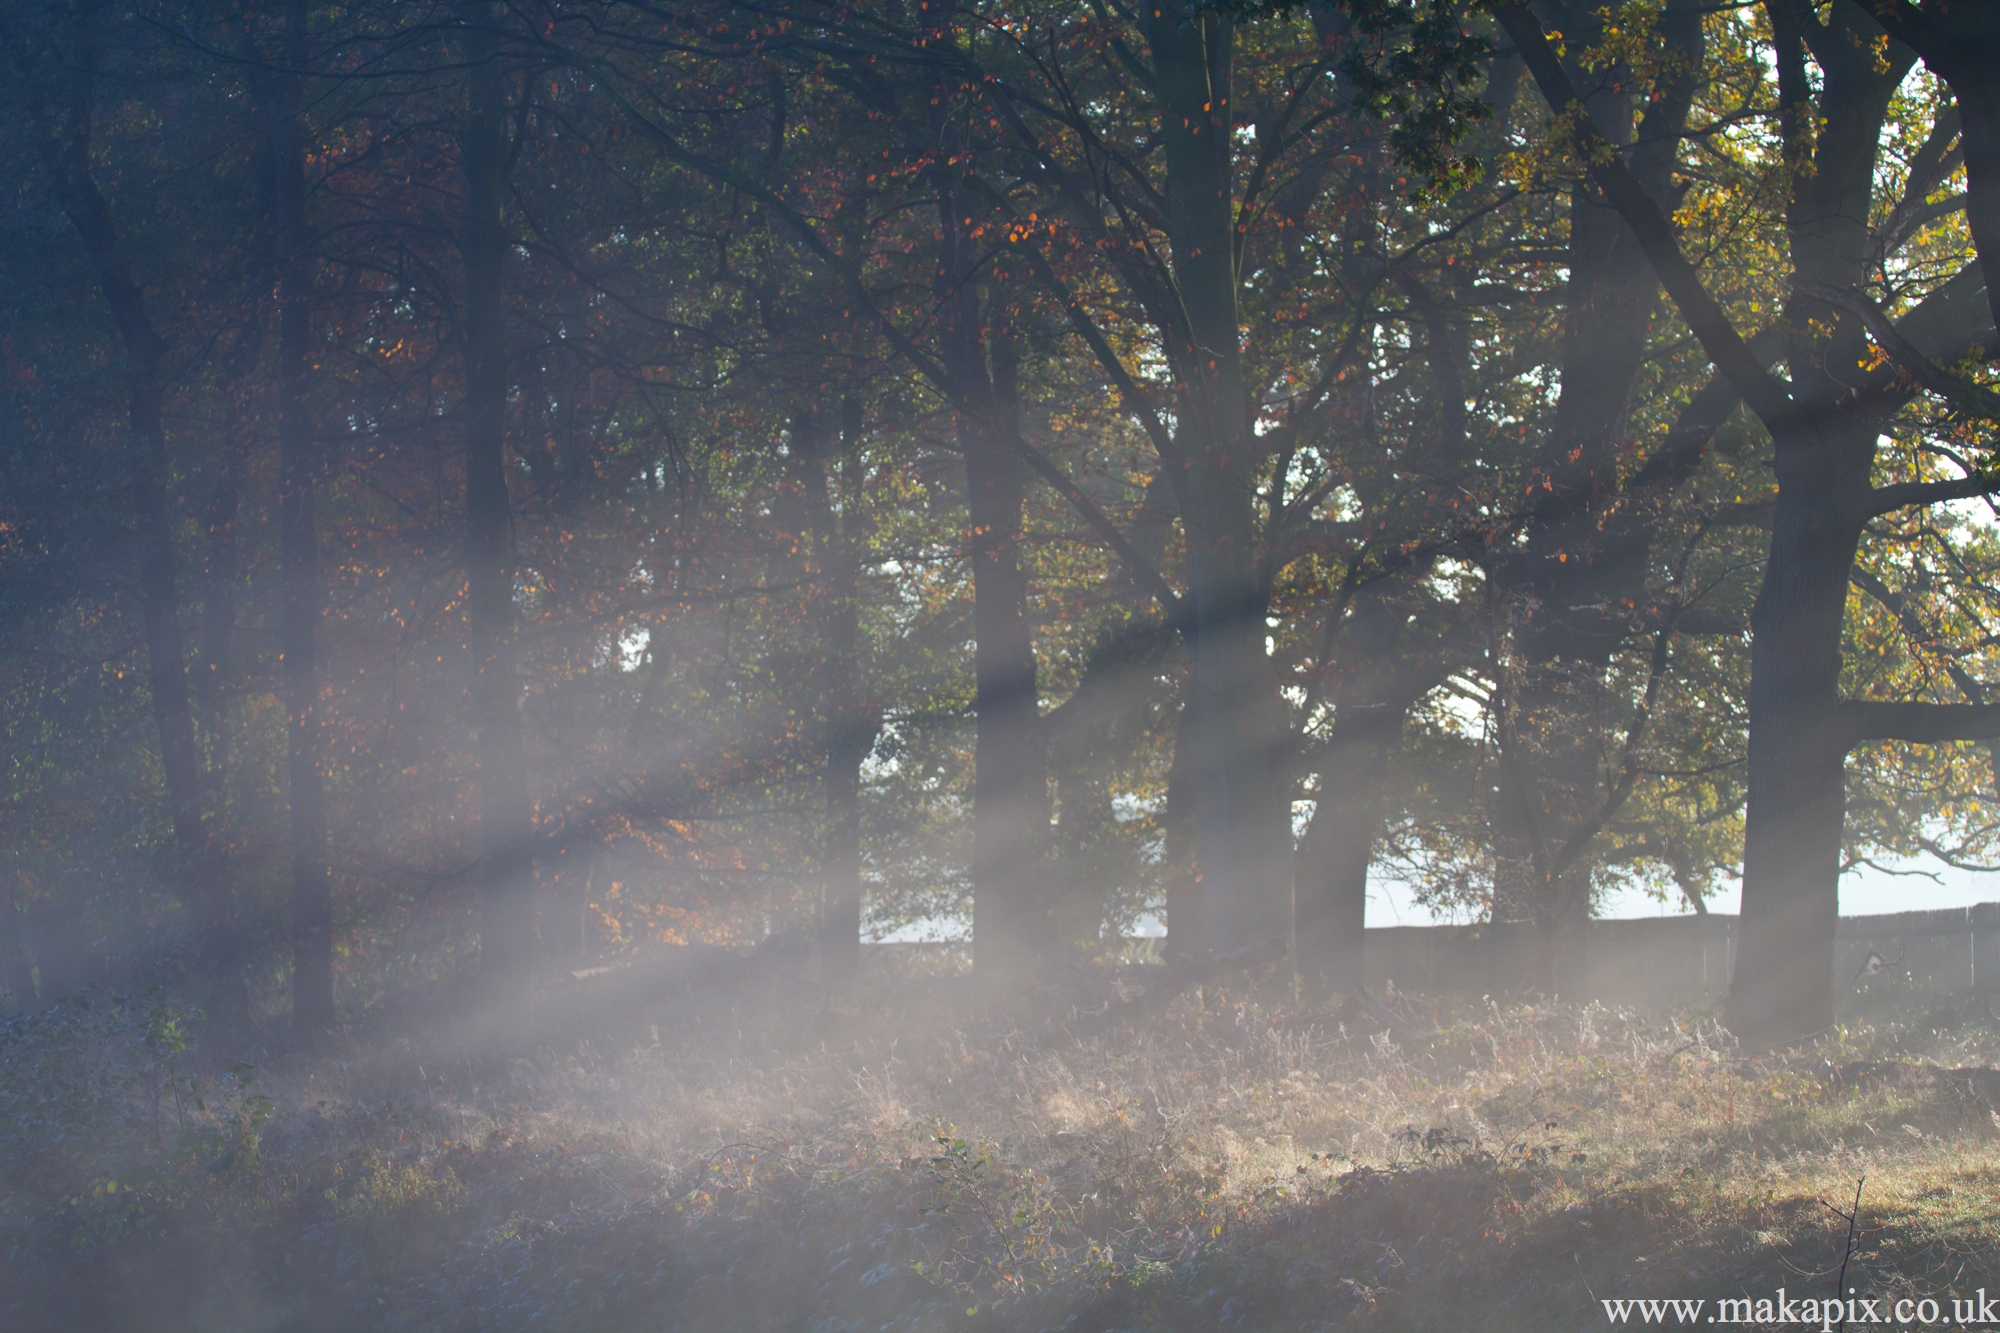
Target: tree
(1824, 428)
(507, 871)
(59, 55)
(282, 92)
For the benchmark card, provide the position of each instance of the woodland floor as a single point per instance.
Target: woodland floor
(915, 1164)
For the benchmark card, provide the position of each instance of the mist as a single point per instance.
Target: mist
(1007, 666)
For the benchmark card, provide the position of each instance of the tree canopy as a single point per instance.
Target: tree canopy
(487, 487)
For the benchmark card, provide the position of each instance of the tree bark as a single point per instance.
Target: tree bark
(1391, 663)
(850, 721)
(1332, 871)
(506, 874)
(1782, 989)
(1089, 735)
(1979, 120)
(1241, 787)
(1010, 801)
(1010, 783)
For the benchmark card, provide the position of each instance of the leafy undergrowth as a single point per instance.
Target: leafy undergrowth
(914, 1163)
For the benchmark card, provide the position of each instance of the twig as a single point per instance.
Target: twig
(1853, 1220)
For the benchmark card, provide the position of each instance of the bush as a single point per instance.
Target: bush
(399, 1211)
(106, 1141)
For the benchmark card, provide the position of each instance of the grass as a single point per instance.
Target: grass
(917, 1163)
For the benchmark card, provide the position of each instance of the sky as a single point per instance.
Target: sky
(1922, 886)
(1918, 885)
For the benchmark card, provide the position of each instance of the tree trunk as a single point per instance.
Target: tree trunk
(221, 566)
(1180, 868)
(840, 862)
(1782, 990)
(65, 154)
(1241, 783)
(298, 544)
(1091, 867)
(216, 703)
(1391, 662)
(16, 975)
(507, 917)
(1010, 794)
(1979, 122)
(851, 723)
(166, 655)
(1332, 871)
(1010, 783)
(1241, 787)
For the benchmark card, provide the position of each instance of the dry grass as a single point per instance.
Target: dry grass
(917, 1164)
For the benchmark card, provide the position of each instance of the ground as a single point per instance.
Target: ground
(1074, 1159)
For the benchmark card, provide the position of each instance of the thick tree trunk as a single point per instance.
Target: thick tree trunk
(1979, 121)
(1332, 872)
(1084, 862)
(166, 654)
(840, 862)
(1010, 782)
(1241, 787)
(298, 545)
(507, 917)
(1091, 868)
(221, 566)
(1782, 990)
(1241, 780)
(1010, 795)
(1389, 664)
